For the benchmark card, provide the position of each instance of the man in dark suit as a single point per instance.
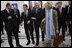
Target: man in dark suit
(17, 14)
(2, 24)
(42, 31)
(31, 9)
(68, 16)
(10, 24)
(61, 18)
(36, 18)
(26, 16)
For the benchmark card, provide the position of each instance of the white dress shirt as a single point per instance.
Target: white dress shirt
(26, 12)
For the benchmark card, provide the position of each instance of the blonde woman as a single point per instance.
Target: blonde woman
(51, 26)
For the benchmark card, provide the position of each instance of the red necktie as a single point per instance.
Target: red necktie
(60, 11)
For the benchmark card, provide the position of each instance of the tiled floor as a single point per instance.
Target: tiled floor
(23, 41)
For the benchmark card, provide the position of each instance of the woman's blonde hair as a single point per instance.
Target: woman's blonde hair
(48, 5)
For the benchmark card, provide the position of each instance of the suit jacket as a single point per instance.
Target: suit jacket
(23, 17)
(10, 24)
(38, 16)
(32, 9)
(68, 14)
(29, 9)
(61, 18)
(17, 14)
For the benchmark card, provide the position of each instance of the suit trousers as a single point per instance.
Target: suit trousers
(2, 28)
(37, 32)
(29, 32)
(9, 33)
(69, 26)
(63, 30)
(43, 34)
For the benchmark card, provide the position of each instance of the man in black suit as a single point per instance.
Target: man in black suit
(31, 9)
(26, 16)
(17, 14)
(10, 24)
(2, 24)
(61, 18)
(68, 16)
(36, 18)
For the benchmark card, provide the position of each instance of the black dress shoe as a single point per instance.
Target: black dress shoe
(28, 43)
(63, 39)
(11, 46)
(37, 44)
(33, 42)
(43, 39)
(2, 33)
(19, 46)
(18, 31)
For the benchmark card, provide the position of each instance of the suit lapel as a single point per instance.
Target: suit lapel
(6, 11)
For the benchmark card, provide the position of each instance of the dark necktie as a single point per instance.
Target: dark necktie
(36, 11)
(8, 11)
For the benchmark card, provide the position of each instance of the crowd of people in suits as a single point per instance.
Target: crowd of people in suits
(55, 17)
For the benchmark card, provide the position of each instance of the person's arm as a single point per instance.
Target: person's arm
(19, 20)
(33, 15)
(43, 14)
(66, 18)
(56, 20)
(22, 17)
(4, 16)
(18, 14)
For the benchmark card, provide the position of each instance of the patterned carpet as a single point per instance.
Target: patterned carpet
(43, 44)
(22, 38)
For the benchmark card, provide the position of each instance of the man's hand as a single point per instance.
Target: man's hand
(57, 31)
(70, 22)
(33, 18)
(28, 22)
(9, 17)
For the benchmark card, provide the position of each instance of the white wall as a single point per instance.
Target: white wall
(20, 4)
